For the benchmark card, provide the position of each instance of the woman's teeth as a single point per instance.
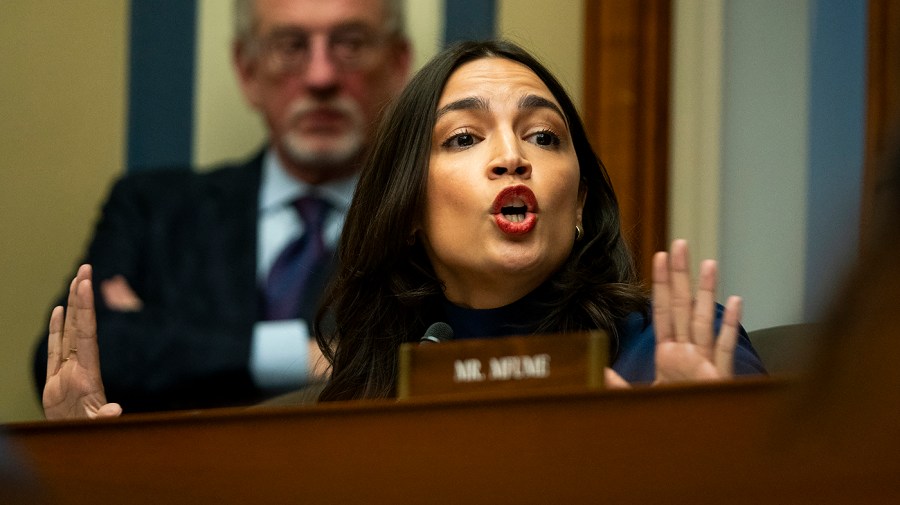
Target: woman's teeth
(514, 214)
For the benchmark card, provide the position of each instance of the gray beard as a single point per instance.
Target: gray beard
(325, 160)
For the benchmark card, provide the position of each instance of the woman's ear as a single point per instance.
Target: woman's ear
(582, 198)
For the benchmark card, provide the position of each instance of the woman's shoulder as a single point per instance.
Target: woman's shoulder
(632, 348)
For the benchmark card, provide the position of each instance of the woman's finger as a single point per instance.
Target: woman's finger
(682, 299)
(54, 341)
(109, 410)
(84, 330)
(69, 314)
(705, 309)
(728, 337)
(613, 380)
(662, 300)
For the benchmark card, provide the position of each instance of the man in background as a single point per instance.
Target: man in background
(205, 283)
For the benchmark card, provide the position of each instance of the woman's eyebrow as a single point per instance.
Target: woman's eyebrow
(539, 102)
(478, 103)
(469, 103)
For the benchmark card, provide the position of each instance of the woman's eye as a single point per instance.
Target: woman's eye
(546, 138)
(460, 140)
(465, 140)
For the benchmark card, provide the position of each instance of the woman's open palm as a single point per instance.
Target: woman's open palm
(687, 349)
(74, 388)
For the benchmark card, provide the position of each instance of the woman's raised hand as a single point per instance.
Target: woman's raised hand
(687, 348)
(74, 388)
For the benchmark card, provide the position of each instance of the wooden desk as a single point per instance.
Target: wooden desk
(700, 444)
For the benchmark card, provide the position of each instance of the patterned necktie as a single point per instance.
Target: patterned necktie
(297, 262)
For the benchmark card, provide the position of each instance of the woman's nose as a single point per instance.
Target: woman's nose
(509, 158)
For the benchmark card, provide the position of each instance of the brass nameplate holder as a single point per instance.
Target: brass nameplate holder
(503, 364)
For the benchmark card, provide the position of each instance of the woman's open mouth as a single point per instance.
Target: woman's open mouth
(515, 210)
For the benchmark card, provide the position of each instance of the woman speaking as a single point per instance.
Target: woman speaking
(482, 205)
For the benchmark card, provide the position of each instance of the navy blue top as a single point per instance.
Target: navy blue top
(631, 355)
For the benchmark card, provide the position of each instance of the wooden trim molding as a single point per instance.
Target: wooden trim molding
(882, 98)
(626, 111)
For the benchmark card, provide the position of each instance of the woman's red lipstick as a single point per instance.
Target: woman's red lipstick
(514, 210)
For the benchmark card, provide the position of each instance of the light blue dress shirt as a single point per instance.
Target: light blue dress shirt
(279, 350)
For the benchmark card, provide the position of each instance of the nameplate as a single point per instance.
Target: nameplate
(503, 364)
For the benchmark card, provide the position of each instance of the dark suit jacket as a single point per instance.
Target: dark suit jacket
(186, 243)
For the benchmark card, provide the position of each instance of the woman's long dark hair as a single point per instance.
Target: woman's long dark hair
(386, 293)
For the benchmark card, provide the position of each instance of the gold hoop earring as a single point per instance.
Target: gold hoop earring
(579, 233)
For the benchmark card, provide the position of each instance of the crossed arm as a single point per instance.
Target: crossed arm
(686, 347)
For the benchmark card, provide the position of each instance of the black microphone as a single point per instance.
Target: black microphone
(437, 333)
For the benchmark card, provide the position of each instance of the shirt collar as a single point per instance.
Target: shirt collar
(278, 188)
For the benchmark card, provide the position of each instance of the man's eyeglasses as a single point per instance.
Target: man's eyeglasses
(289, 51)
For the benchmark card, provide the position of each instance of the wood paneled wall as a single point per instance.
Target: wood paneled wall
(626, 111)
(882, 98)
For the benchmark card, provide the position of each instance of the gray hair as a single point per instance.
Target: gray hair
(245, 19)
